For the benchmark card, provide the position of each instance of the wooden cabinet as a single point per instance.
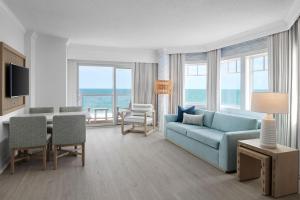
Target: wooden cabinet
(9, 55)
(281, 177)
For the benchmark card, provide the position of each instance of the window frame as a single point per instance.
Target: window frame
(226, 107)
(245, 83)
(200, 62)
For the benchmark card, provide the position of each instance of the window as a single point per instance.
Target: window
(195, 84)
(258, 65)
(104, 90)
(241, 76)
(230, 83)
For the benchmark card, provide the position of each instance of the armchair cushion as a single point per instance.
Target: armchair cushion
(141, 109)
(138, 119)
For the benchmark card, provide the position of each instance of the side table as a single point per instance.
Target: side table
(278, 168)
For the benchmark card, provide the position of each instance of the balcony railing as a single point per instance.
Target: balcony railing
(101, 106)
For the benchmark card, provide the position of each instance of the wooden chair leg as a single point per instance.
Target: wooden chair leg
(154, 120)
(45, 157)
(145, 124)
(54, 157)
(122, 124)
(12, 161)
(83, 154)
(75, 147)
(48, 151)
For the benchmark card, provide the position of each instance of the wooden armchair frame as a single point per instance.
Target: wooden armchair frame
(144, 124)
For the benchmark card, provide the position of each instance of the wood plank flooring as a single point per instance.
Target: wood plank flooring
(126, 167)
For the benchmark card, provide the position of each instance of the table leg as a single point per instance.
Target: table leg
(106, 115)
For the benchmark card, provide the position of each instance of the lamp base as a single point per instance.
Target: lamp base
(268, 132)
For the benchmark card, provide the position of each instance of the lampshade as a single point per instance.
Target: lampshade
(163, 87)
(270, 103)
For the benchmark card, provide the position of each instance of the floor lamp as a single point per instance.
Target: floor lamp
(163, 87)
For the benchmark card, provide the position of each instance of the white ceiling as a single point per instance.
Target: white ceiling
(149, 23)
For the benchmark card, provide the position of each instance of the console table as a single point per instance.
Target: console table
(278, 168)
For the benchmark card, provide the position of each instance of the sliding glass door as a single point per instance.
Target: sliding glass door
(123, 90)
(104, 91)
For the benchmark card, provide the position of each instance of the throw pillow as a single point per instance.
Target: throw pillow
(181, 110)
(192, 119)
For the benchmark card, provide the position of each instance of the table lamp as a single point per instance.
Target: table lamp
(269, 103)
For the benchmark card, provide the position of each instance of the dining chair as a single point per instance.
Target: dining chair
(29, 132)
(38, 110)
(70, 109)
(68, 130)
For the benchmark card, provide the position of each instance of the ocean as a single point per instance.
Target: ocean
(89, 98)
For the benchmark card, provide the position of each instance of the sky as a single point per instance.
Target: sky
(95, 77)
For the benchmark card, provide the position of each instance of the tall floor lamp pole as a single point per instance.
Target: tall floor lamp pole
(163, 87)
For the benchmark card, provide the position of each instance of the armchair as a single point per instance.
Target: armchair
(141, 115)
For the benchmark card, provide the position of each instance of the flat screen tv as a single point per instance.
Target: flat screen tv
(17, 81)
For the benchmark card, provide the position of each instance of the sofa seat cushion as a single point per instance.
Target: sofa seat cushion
(230, 123)
(182, 128)
(207, 136)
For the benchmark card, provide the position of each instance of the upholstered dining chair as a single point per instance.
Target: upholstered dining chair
(41, 110)
(38, 110)
(68, 130)
(26, 133)
(70, 109)
(141, 115)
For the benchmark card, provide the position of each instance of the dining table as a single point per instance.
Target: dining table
(49, 116)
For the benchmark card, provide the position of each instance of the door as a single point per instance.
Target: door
(104, 92)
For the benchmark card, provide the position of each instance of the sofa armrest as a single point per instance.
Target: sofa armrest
(228, 148)
(169, 118)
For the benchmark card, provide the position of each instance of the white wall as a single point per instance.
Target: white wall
(30, 52)
(97, 53)
(51, 71)
(163, 100)
(11, 30)
(12, 33)
(72, 84)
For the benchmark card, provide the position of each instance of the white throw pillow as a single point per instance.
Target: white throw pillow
(192, 119)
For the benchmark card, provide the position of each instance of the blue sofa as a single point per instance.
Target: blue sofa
(215, 141)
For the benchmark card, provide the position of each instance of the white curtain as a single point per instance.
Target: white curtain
(145, 75)
(213, 79)
(284, 58)
(176, 64)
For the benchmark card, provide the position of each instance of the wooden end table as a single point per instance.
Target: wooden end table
(278, 168)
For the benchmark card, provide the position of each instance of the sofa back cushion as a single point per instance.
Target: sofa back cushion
(181, 110)
(227, 123)
(207, 117)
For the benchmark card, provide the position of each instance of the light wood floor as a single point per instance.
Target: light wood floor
(126, 167)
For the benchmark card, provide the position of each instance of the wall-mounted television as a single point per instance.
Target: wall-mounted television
(17, 81)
